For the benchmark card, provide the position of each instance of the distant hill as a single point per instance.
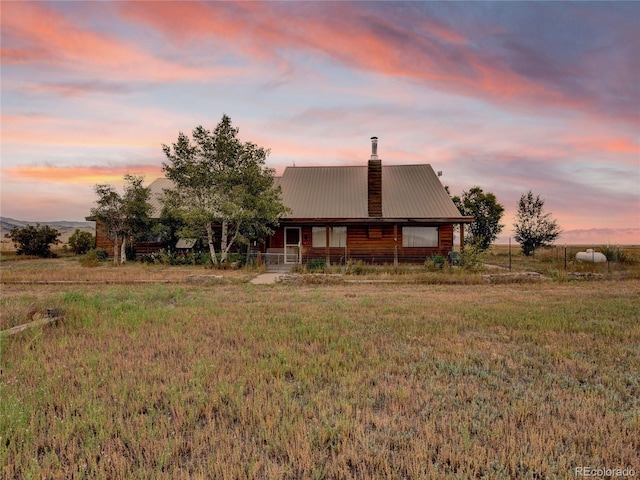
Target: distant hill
(65, 228)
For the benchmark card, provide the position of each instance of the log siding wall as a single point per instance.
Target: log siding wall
(370, 243)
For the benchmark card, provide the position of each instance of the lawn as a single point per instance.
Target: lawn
(232, 380)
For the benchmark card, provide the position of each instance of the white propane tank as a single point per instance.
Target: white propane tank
(591, 256)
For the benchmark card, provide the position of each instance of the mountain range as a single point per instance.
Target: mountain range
(66, 228)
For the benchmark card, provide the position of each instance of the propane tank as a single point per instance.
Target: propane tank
(591, 256)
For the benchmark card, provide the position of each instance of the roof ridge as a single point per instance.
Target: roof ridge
(357, 166)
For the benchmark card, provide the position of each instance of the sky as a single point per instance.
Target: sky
(507, 96)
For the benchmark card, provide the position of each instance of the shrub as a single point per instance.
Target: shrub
(316, 264)
(614, 254)
(93, 257)
(130, 252)
(202, 258)
(435, 263)
(81, 242)
(168, 257)
(358, 267)
(36, 240)
(471, 258)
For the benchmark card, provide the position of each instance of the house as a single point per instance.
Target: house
(372, 213)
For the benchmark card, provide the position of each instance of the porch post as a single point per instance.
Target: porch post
(461, 237)
(326, 250)
(395, 245)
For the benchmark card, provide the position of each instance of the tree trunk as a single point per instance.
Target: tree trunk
(115, 249)
(212, 248)
(230, 244)
(223, 242)
(123, 250)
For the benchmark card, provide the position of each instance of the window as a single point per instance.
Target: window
(337, 236)
(319, 236)
(419, 236)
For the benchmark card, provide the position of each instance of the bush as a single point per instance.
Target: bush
(93, 257)
(435, 263)
(614, 254)
(36, 240)
(472, 258)
(316, 264)
(168, 257)
(161, 257)
(233, 260)
(358, 267)
(130, 252)
(81, 242)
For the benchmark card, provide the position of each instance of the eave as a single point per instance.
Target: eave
(379, 220)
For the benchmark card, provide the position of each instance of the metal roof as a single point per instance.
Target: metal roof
(156, 191)
(186, 242)
(408, 191)
(340, 192)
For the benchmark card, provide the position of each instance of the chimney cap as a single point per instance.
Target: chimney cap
(374, 148)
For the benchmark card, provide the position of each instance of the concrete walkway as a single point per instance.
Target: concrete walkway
(267, 278)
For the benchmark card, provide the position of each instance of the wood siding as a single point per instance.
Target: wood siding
(103, 241)
(277, 239)
(370, 243)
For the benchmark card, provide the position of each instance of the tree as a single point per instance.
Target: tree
(125, 215)
(36, 240)
(533, 227)
(220, 180)
(169, 227)
(136, 210)
(487, 213)
(81, 242)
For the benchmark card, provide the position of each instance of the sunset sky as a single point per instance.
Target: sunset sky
(507, 96)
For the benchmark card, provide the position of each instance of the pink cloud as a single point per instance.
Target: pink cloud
(135, 127)
(47, 37)
(86, 175)
(371, 39)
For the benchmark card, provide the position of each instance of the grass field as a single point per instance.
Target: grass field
(232, 380)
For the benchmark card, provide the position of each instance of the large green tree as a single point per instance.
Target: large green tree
(533, 227)
(81, 242)
(486, 210)
(220, 180)
(123, 215)
(36, 240)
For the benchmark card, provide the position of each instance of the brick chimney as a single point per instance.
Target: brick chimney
(374, 181)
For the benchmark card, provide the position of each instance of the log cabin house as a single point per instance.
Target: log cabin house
(372, 213)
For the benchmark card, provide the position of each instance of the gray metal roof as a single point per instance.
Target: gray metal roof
(156, 190)
(186, 242)
(408, 191)
(338, 192)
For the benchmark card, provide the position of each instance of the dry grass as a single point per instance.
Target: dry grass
(70, 270)
(551, 261)
(331, 381)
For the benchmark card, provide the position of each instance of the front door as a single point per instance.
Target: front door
(292, 245)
